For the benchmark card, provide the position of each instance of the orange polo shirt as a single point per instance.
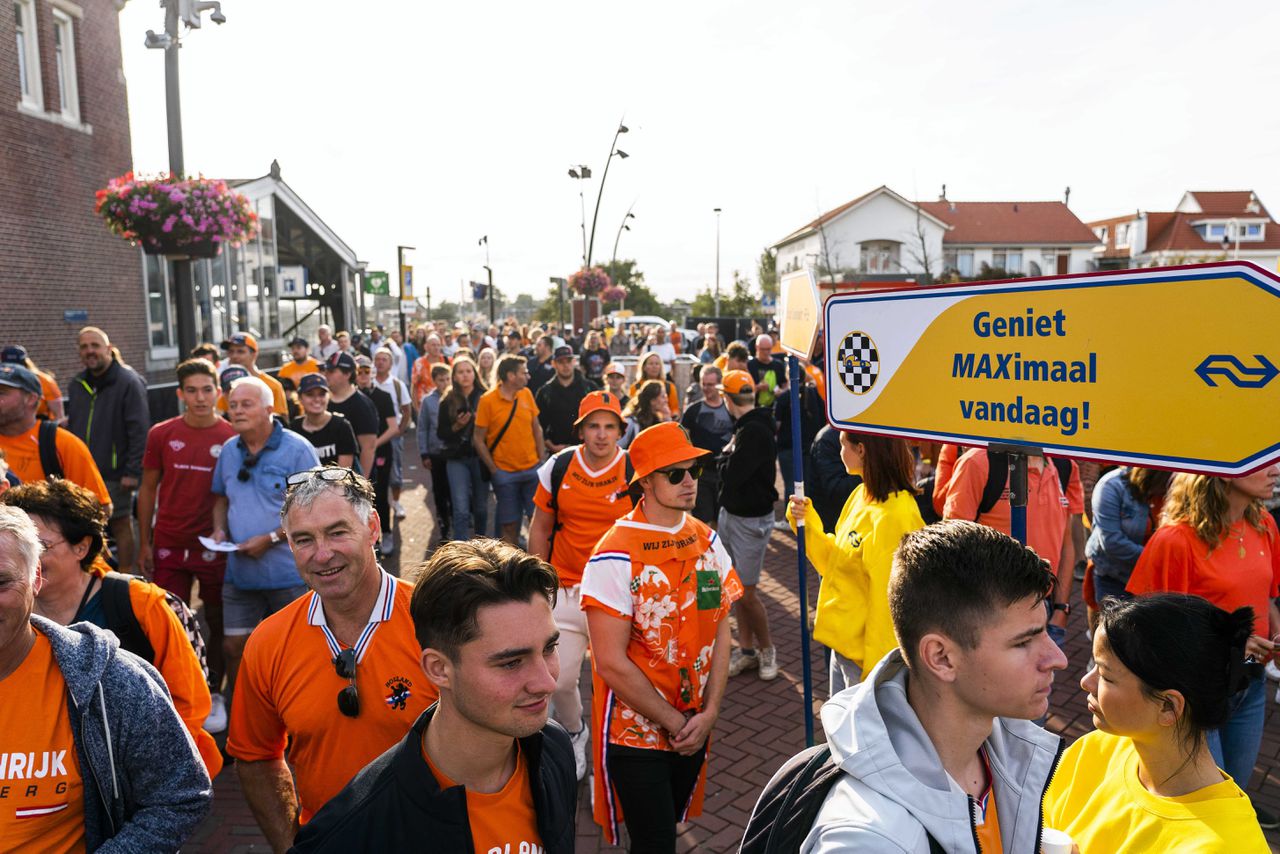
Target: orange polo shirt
(516, 451)
(279, 405)
(674, 585)
(42, 808)
(292, 370)
(288, 688)
(1049, 511)
(22, 453)
(587, 506)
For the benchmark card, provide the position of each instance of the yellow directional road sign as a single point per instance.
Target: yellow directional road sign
(1172, 367)
(800, 313)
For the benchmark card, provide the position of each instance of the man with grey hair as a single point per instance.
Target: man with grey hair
(352, 636)
(97, 756)
(327, 346)
(249, 482)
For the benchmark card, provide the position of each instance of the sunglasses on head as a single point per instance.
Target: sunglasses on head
(675, 477)
(348, 697)
(331, 474)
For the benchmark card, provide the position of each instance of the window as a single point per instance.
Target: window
(1101, 233)
(64, 56)
(1122, 235)
(24, 13)
(1009, 260)
(160, 308)
(1217, 230)
(1253, 230)
(879, 257)
(964, 262)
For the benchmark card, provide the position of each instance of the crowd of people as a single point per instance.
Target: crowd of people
(587, 509)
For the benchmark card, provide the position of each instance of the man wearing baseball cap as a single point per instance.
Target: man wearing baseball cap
(615, 381)
(657, 591)
(51, 396)
(242, 350)
(582, 491)
(29, 444)
(346, 400)
(558, 401)
(301, 364)
(747, 470)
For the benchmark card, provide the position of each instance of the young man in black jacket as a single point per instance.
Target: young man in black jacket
(483, 769)
(747, 495)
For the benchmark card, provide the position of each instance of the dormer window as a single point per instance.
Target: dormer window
(1242, 231)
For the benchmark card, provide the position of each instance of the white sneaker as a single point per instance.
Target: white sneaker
(217, 720)
(388, 544)
(579, 741)
(768, 663)
(398, 509)
(740, 661)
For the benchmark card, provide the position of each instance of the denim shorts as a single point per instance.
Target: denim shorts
(745, 538)
(242, 610)
(514, 493)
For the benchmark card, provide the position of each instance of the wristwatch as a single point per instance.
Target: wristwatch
(275, 538)
(1064, 607)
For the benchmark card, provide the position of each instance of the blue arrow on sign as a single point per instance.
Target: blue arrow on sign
(1234, 370)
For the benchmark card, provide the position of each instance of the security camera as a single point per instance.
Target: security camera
(158, 41)
(217, 17)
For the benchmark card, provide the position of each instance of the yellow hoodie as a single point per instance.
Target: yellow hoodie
(853, 600)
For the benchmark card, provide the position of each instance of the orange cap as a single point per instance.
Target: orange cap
(599, 401)
(660, 446)
(738, 382)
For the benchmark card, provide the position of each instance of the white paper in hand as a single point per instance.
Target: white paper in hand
(214, 546)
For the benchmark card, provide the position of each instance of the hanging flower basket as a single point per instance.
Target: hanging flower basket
(614, 293)
(189, 217)
(589, 282)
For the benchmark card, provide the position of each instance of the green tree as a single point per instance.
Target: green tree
(740, 302)
(446, 311)
(767, 272)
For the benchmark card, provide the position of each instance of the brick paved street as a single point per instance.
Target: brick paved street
(760, 727)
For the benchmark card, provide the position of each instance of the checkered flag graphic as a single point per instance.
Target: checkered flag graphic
(858, 364)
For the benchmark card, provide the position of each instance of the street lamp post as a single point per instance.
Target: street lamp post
(1233, 229)
(406, 287)
(621, 228)
(613, 150)
(489, 270)
(717, 210)
(582, 173)
(175, 12)
(560, 283)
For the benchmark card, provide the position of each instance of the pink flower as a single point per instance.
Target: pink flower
(168, 224)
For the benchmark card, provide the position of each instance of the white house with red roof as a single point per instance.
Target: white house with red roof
(882, 233)
(1205, 226)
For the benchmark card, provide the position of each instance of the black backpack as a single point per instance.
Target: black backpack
(789, 804)
(998, 478)
(47, 438)
(124, 623)
(561, 467)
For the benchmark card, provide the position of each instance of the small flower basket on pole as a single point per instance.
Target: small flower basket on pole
(177, 217)
(589, 284)
(614, 294)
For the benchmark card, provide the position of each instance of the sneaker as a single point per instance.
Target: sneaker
(1266, 820)
(579, 741)
(398, 509)
(769, 663)
(217, 720)
(388, 543)
(740, 661)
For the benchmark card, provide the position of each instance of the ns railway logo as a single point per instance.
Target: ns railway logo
(858, 362)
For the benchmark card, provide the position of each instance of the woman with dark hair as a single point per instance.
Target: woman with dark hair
(1165, 669)
(853, 600)
(1126, 511)
(651, 368)
(645, 409)
(1217, 541)
(467, 488)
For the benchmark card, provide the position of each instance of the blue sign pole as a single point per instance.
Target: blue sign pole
(797, 460)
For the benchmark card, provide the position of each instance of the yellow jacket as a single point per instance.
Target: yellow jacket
(853, 600)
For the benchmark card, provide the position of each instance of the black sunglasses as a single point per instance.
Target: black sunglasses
(250, 460)
(332, 474)
(675, 477)
(348, 697)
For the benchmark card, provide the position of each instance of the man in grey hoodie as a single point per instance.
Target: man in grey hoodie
(92, 753)
(937, 745)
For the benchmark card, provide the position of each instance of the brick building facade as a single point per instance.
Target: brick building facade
(64, 132)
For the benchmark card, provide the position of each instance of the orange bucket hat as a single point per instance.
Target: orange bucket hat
(660, 446)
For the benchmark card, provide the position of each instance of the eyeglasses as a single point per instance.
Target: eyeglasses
(332, 474)
(44, 547)
(675, 477)
(348, 697)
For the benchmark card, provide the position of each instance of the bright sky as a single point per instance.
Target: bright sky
(431, 124)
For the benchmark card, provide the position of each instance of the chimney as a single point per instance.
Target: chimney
(943, 197)
(1066, 197)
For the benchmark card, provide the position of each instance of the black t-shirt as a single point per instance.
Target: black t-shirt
(383, 404)
(330, 441)
(540, 373)
(759, 370)
(558, 408)
(593, 363)
(360, 413)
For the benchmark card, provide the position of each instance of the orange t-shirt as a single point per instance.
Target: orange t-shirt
(1238, 572)
(588, 505)
(49, 393)
(176, 660)
(1048, 510)
(503, 821)
(288, 688)
(673, 402)
(674, 585)
(421, 378)
(279, 405)
(516, 451)
(41, 789)
(22, 453)
(292, 370)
